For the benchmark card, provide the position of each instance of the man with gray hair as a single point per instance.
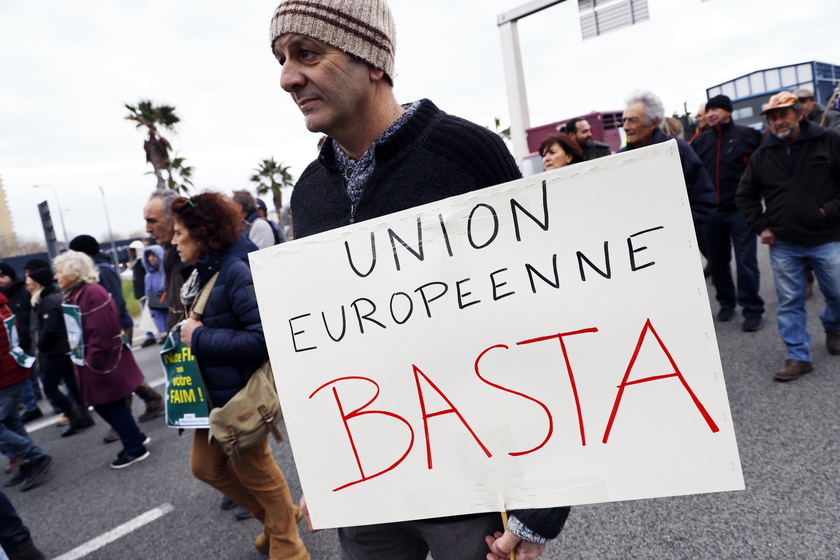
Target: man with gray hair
(643, 116)
(160, 224)
(382, 157)
(790, 197)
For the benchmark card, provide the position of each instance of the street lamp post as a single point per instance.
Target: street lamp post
(60, 213)
(110, 232)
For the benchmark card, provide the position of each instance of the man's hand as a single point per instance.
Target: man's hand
(767, 237)
(304, 509)
(501, 544)
(187, 330)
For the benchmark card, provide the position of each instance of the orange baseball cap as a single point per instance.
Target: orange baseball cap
(780, 101)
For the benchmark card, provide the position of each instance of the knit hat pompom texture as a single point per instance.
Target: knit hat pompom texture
(364, 28)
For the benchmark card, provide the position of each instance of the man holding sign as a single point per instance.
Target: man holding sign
(382, 157)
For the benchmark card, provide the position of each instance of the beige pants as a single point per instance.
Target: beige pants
(255, 484)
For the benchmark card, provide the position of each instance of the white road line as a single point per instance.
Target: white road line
(116, 533)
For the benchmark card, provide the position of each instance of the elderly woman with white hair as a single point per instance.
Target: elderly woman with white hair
(109, 373)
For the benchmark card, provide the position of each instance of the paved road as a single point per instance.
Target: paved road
(787, 436)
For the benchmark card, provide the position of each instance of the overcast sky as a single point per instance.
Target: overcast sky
(68, 68)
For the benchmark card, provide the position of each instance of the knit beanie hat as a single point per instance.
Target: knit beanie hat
(364, 28)
(32, 264)
(44, 276)
(721, 102)
(7, 270)
(85, 244)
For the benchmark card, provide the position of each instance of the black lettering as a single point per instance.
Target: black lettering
(495, 226)
(543, 225)
(462, 295)
(426, 300)
(531, 271)
(343, 326)
(581, 257)
(410, 307)
(418, 253)
(295, 333)
(366, 317)
(496, 295)
(372, 257)
(633, 251)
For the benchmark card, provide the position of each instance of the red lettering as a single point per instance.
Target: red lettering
(625, 383)
(360, 411)
(545, 408)
(451, 410)
(559, 337)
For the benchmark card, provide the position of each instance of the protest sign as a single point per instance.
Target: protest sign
(186, 397)
(73, 324)
(22, 358)
(540, 343)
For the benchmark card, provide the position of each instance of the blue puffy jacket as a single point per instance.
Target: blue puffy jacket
(230, 344)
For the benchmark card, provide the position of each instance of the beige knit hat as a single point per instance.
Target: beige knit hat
(364, 28)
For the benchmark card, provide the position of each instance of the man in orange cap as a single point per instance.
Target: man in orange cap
(796, 173)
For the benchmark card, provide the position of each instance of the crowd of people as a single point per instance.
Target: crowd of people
(780, 188)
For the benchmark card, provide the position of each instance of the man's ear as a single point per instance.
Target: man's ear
(375, 74)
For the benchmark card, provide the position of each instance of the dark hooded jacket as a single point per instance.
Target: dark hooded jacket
(725, 150)
(230, 344)
(794, 181)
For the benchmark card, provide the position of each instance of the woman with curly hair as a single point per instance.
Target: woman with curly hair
(229, 346)
(109, 373)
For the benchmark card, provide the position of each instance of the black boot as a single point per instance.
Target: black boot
(78, 422)
(154, 402)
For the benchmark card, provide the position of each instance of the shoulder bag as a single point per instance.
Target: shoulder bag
(252, 413)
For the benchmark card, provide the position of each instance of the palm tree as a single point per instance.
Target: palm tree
(271, 177)
(156, 146)
(174, 167)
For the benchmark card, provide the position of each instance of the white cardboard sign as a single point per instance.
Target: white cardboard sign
(540, 343)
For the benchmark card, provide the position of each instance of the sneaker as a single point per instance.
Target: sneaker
(125, 459)
(148, 342)
(111, 436)
(31, 415)
(726, 314)
(28, 552)
(35, 471)
(14, 465)
(753, 323)
(832, 341)
(18, 477)
(792, 370)
(154, 408)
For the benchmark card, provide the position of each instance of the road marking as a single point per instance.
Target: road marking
(116, 533)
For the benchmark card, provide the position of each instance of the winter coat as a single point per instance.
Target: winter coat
(49, 332)
(155, 281)
(110, 372)
(794, 181)
(725, 150)
(10, 371)
(230, 344)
